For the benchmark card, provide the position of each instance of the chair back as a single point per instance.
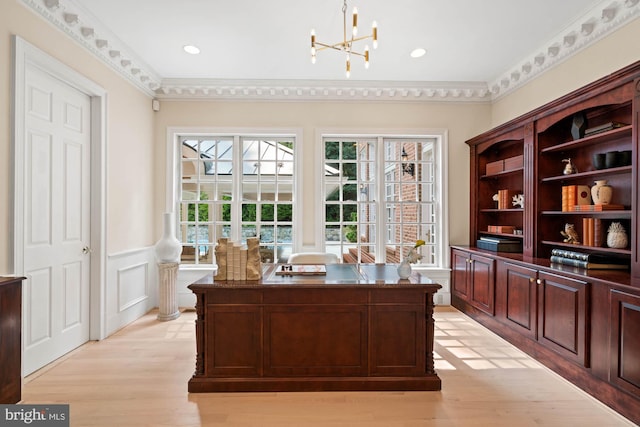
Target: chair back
(313, 258)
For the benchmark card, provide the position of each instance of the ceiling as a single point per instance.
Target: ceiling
(475, 49)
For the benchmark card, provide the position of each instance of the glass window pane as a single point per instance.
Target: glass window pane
(350, 171)
(332, 213)
(285, 212)
(349, 212)
(267, 213)
(349, 150)
(249, 212)
(332, 150)
(350, 192)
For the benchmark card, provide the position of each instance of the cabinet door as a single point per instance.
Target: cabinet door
(481, 273)
(563, 316)
(233, 340)
(517, 297)
(10, 333)
(625, 346)
(459, 274)
(397, 337)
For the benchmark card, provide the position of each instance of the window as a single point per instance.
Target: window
(215, 201)
(381, 194)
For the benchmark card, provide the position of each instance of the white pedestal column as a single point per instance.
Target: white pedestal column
(168, 295)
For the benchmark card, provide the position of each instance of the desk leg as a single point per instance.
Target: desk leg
(430, 331)
(200, 334)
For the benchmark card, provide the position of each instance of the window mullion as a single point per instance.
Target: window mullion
(237, 169)
(381, 253)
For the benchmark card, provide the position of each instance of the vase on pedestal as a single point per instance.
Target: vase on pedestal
(601, 193)
(167, 251)
(404, 269)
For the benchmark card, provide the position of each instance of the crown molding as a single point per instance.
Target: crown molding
(90, 33)
(322, 90)
(600, 21)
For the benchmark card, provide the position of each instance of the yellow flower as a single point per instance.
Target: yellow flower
(419, 243)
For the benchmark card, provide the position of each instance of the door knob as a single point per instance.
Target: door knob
(86, 250)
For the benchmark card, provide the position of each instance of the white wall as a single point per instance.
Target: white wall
(130, 166)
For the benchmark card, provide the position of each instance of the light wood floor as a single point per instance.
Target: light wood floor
(138, 377)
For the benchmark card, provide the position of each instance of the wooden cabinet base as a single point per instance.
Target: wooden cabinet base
(203, 385)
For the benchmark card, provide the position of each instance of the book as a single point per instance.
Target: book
(498, 239)
(498, 245)
(603, 128)
(574, 196)
(301, 270)
(586, 264)
(598, 208)
(589, 257)
(597, 232)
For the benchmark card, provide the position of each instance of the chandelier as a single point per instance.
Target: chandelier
(346, 45)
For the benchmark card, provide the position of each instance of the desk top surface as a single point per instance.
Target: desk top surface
(337, 275)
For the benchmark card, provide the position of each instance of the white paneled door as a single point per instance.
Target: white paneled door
(57, 218)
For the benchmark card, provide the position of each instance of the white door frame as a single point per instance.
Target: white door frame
(25, 55)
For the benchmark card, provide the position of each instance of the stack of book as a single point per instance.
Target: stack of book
(598, 208)
(575, 195)
(592, 234)
(603, 128)
(504, 198)
(499, 244)
(587, 261)
(506, 229)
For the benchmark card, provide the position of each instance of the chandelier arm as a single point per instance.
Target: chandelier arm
(337, 46)
(362, 38)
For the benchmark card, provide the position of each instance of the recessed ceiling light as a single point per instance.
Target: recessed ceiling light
(417, 53)
(191, 49)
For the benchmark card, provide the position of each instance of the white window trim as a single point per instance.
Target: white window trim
(173, 180)
(441, 172)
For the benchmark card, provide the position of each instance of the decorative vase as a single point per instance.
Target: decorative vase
(168, 248)
(578, 125)
(617, 236)
(601, 192)
(404, 269)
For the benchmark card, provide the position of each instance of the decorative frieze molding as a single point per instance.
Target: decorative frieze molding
(597, 23)
(323, 90)
(87, 30)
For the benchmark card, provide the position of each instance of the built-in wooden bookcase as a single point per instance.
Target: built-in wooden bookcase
(583, 323)
(556, 144)
(498, 165)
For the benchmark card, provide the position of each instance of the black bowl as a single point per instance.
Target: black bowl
(599, 160)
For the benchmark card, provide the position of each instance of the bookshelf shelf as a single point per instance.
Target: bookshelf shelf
(589, 174)
(598, 138)
(502, 174)
(573, 246)
(599, 214)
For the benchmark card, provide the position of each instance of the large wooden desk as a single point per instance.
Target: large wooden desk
(357, 328)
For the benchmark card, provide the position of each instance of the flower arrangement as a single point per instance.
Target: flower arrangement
(413, 256)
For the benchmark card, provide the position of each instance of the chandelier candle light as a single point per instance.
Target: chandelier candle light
(346, 45)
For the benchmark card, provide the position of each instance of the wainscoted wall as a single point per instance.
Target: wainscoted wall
(186, 276)
(132, 286)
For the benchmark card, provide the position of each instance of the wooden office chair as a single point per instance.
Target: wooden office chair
(313, 258)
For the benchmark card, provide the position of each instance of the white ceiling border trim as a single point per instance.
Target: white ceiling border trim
(600, 21)
(89, 32)
(318, 90)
